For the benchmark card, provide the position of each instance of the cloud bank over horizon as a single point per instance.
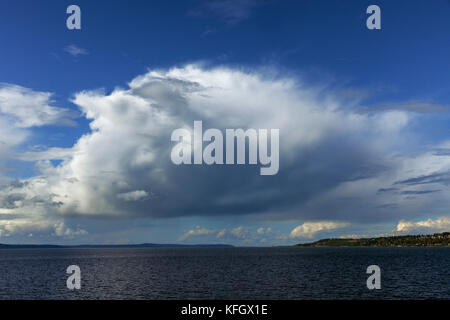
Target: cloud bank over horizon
(338, 166)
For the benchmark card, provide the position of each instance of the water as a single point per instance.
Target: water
(226, 273)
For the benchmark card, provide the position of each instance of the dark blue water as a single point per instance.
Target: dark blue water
(228, 273)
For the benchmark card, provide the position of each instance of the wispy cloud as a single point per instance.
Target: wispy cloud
(417, 107)
(75, 50)
(28, 108)
(230, 12)
(440, 177)
(136, 195)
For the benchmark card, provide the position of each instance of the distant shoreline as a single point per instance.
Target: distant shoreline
(434, 240)
(136, 246)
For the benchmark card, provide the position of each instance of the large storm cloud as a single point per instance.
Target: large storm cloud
(336, 162)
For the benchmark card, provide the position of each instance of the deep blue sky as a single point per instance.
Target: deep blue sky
(125, 38)
(317, 39)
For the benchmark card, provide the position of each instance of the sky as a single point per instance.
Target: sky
(86, 118)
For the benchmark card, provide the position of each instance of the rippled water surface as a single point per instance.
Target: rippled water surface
(226, 273)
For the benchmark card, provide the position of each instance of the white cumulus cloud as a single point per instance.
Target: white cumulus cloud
(27, 108)
(441, 224)
(198, 231)
(310, 229)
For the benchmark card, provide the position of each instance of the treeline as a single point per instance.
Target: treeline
(435, 240)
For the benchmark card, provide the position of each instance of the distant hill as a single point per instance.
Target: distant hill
(435, 240)
(143, 245)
